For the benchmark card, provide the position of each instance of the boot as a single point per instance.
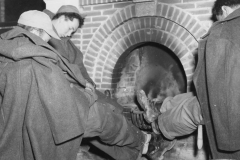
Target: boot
(150, 111)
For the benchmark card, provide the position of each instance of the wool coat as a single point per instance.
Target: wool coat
(40, 115)
(217, 79)
(69, 51)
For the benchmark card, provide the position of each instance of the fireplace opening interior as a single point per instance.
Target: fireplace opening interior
(151, 67)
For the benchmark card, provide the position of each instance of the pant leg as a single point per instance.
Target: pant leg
(122, 139)
(180, 115)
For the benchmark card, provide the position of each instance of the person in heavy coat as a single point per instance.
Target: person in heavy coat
(44, 111)
(217, 79)
(66, 22)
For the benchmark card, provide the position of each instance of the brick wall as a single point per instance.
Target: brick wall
(113, 26)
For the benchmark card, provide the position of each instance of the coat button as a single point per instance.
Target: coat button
(71, 85)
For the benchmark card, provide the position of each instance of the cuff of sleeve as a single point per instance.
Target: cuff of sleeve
(163, 130)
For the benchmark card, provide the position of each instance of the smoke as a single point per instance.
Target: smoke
(158, 83)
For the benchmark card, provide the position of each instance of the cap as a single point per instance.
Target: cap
(34, 18)
(70, 9)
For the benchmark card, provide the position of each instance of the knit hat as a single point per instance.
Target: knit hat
(34, 18)
(70, 9)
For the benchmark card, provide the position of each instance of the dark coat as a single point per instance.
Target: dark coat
(69, 51)
(42, 113)
(217, 82)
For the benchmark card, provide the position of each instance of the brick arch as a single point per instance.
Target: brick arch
(169, 26)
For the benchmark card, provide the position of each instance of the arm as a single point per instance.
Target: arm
(76, 57)
(60, 47)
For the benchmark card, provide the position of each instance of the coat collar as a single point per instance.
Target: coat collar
(235, 14)
(19, 32)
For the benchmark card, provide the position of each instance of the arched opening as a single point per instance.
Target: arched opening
(149, 66)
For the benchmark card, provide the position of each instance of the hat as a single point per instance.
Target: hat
(70, 9)
(39, 20)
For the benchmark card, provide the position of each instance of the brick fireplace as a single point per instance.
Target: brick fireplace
(113, 27)
(112, 38)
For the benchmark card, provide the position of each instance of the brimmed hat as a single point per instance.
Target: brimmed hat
(70, 9)
(39, 20)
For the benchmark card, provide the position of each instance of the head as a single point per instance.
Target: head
(38, 32)
(37, 23)
(67, 20)
(222, 8)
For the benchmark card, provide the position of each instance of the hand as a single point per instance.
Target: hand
(89, 86)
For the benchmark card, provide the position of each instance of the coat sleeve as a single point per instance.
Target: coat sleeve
(61, 47)
(223, 79)
(79, 61)
(58, 100)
